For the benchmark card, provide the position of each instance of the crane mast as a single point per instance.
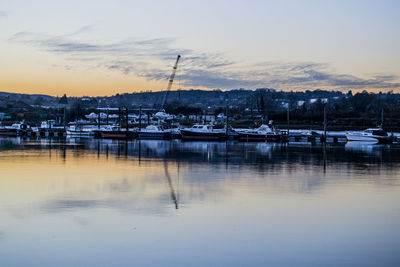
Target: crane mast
(170, 81)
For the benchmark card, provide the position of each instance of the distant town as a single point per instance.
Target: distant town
(245, 108)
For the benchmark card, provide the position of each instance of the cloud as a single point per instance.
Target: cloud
(64, 44)
(212, 79)
(131, 56)
(316, 75)
(152, 58)
(386, 77)
(3, 13)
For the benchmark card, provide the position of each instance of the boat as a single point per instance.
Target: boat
(203, 132)
(308, 133)
(16, 129)
(113, 132)
(8, 131)
(81, 130)
(154, 132)
(50, 128)
(377, 135)
(176, 133)
(266, 132)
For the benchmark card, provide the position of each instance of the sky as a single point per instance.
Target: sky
(107, 47)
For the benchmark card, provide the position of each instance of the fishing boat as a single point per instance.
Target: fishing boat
(154, 132)
(377, 135)
(203, 132)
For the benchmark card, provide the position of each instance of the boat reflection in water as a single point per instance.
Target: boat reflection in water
(372, 148)
(211, 152)
(86, 202)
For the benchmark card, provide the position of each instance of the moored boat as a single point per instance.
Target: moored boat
(50, 128)
(377, 135)
(17, 129)
(80, 130)
(154, 132)
(203, 132)
(263, 133)
(113, 132)
(8, 131)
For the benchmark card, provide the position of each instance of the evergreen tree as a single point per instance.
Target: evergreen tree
(63, 99)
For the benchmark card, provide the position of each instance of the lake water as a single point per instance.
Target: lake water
(172, 203)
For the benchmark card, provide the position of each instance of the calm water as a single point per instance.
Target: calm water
(172, 203)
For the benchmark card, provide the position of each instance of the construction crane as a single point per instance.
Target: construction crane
(170, 81)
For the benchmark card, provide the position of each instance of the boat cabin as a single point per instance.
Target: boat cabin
(202, 127)
(376, 132)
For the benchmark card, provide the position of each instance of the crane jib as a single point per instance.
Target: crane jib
(170, 81)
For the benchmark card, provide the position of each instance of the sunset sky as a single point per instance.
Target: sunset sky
(108, 47)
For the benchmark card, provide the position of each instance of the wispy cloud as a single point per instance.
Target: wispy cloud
(3, 13)
(149, 58)
(66, 45)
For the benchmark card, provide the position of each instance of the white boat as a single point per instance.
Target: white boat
(203, 132)
(262, 133)
(154, 132)
(50, 124)
(16, 129)
(81, 130)
(370, 135)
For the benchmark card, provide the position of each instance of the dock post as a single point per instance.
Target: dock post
(140, 117)
(119, 117)
(325, 120)
(324, 139)
(127, 121)
(226, 123)
(65, 118)
(288, 119)
(98, 119)
(107, 117)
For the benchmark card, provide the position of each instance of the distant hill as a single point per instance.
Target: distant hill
(15, 99)
(306, 108)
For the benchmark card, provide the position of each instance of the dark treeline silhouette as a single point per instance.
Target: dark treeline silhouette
(344, 109)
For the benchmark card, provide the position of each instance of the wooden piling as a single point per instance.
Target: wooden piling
(140, 117)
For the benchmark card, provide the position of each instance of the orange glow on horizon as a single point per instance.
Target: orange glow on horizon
(107, 87)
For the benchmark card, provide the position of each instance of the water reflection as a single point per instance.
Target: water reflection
(234, 152)
(371, 148)
(274, 164)
(221, 203)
